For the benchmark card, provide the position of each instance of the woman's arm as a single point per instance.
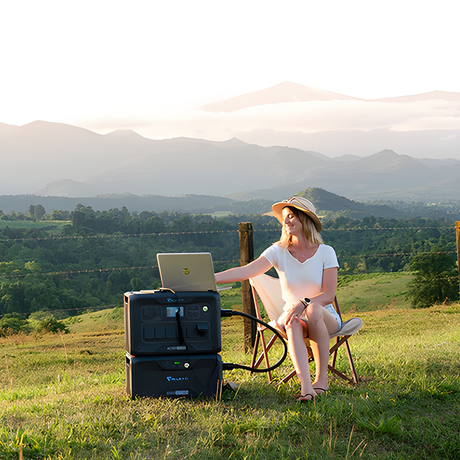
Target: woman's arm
(325, 297)
(257, 267)
(327, 294)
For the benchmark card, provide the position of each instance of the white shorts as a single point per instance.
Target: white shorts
(330, 308)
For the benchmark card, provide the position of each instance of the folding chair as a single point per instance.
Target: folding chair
(268, 289)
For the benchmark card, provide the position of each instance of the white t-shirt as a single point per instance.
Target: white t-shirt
(299, 280)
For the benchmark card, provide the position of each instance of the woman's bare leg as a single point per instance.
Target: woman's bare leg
(320, 324)
(299, 355)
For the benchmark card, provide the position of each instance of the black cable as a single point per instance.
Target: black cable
(178, 320)
(179, 327)
(230, 366)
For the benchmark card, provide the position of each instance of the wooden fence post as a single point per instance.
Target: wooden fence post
(457, 225)
(246, 234)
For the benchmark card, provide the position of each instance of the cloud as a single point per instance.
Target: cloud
(308, 117)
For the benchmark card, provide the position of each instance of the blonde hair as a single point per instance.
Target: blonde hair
(308, 228)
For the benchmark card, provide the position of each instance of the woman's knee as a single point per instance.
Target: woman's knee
(314, 314)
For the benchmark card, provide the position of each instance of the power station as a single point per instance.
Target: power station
(172, 343)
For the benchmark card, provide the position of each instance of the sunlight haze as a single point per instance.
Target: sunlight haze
(151, 65)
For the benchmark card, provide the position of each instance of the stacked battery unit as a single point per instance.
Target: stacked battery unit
(172, 342)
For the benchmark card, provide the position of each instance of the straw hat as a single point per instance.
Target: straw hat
(301, 204)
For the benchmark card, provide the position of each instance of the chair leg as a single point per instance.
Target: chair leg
(334, 354)
(255, 363)
(265, 349)
(331, 367)
(289, 376)
(344, 341)
(270, 378)
(340, 374)
(338, 344)
(256, 346)
(352, 364)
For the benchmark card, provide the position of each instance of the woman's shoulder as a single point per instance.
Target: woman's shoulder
(325, 247)
(274, 249)
(326, 250)
(328, 254)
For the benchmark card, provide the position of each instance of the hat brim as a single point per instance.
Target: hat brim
(277, 209)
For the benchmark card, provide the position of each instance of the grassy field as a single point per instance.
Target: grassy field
(369, 292)
(63, 396)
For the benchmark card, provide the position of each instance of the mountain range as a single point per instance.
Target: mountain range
(287, 92)
(51, 159)
(423, 125)
(288, 137)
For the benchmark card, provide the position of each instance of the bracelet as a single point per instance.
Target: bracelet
(305, 302)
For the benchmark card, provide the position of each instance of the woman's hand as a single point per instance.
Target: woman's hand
(295, 312)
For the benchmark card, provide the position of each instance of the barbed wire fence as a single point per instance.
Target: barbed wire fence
(204, 232)
(207, 232)
(230, 261)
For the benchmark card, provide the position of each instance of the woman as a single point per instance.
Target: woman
(307, 270)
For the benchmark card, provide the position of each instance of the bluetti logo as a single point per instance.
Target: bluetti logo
(174, 300)
(176, 379)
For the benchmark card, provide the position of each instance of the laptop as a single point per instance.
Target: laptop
(182, 271)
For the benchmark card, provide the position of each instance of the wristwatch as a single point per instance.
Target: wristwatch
(306, 302)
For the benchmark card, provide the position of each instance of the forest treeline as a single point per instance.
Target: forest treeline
(90, 258)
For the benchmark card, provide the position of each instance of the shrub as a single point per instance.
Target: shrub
(51, 324)
(13, 323)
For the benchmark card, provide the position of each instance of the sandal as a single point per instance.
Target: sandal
(322, 391)
(305, 398)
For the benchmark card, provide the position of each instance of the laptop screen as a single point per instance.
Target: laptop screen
(193, 271)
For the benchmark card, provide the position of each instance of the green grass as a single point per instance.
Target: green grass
(63, 397)
(375, 291)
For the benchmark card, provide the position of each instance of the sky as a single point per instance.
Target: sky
(106, 65)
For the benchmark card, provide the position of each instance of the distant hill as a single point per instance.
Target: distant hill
(430, 96)
(326, 201)
(328, 205)
(293, 92)
(427, 143)
(384, 175)
(281, 93)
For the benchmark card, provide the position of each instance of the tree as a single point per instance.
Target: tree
(13, 323)
(39, 212)
(436, 279)
(60, 215)
(31, 211)
(52, 325)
